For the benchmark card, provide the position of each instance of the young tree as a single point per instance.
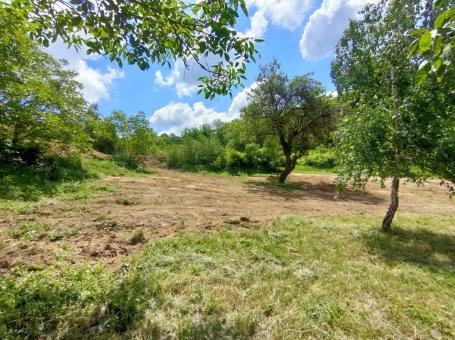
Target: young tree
(392, 127)
(297, 112)
(142, 32)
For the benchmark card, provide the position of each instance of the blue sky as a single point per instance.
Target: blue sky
(301, 34)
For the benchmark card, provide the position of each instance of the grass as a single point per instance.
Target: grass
(308, 169)
(320, 277)
(22, 187)
(36, 231)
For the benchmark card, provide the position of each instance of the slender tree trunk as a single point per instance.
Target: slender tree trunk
(289, 166)
(15, 139)
(387, 222)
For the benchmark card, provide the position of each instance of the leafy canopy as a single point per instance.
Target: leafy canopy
(142, 32)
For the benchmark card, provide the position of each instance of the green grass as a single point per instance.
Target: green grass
(36, 231)
(321, 277)
(22, 187)
(307, 169)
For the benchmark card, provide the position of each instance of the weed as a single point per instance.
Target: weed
(137, 237)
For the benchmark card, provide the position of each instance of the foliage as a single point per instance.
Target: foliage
(244, 284)
(321, 157)
(436, 43)
(297, 112)
(41, 107)
(391, 127)
(234, 146)
(143, 32)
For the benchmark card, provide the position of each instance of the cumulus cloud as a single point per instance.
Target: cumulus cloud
(326, 26)
(185, 80)
(258, 25)
(284, 13)
(240, 101)
(96, 83)
(175, 117)
(288, 14)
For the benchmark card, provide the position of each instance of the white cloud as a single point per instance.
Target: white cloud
(288, 14)
(326, 26)
(185, 80)
(240, 101)
(96, 83)
(258, 25)
(175, 117)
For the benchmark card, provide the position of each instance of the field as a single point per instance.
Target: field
(185, 255)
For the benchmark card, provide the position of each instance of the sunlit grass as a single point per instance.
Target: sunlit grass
(332, 277)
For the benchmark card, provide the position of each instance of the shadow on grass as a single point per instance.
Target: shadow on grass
(29, 183)
(421, 247)
(296, 190)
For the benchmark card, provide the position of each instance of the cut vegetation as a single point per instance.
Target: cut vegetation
(282, 281)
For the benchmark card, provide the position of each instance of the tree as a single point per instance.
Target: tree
(392, 128)
(436, 43)
(296, 112)
(41, 107)
(142, 32)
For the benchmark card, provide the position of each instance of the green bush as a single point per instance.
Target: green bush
(321, 157)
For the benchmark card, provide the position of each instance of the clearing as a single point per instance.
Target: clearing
(119, 222)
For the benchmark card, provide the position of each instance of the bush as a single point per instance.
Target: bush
(321, 157)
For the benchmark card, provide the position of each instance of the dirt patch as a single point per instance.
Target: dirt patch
(105, 229)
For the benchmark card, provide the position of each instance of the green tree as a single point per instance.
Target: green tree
(391, 127)
(297, 112)
(142, 32)
(41, 107)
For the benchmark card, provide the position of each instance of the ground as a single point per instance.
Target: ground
(135, 210)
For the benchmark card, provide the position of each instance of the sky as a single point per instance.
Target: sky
(301, 34)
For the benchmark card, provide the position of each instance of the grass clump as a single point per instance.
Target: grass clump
(138, 236)
(333, 277)
(34, 231)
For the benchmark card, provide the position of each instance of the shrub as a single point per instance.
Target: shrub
(321, 157)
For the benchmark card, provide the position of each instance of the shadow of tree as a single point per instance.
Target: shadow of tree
(29, 183)
(420, 246)
(297, 190)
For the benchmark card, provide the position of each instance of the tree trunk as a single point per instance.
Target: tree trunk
(387, 222)
(289, 166)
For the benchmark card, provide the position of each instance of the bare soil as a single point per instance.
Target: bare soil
(105, 229)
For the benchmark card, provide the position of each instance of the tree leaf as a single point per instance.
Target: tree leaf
(424, 42)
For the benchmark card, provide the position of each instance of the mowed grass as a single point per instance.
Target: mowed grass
(319, 277)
